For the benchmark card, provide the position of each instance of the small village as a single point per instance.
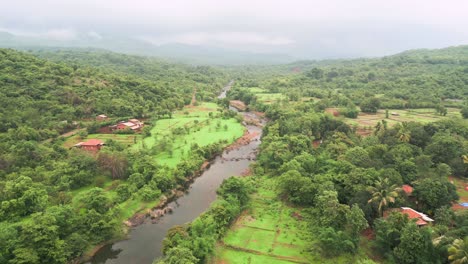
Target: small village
(130, 126)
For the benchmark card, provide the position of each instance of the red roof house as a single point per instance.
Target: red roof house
(91, 145)
(101, 117)
(407, 189)
(422, 219)
(133, 124)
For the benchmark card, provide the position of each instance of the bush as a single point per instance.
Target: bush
(334, 243)
(149, 194)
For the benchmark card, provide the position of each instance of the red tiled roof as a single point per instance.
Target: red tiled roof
(407, 189)
(421, 222)
(92, 142)
(411, 213)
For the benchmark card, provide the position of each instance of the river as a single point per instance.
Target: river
(145, 241)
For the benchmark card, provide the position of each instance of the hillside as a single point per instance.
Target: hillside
(41, 94)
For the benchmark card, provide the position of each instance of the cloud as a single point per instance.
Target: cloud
(60, 34)
(94, 35)
(221, 38)
(311, 27)
(50, 34)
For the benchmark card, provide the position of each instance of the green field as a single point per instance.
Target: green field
(269, 98)
(257, 90)
(271, 232)
(125, 140)
(425, 115)
(197, 128)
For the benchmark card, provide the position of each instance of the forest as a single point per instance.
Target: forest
(344, 142)
(344, 191)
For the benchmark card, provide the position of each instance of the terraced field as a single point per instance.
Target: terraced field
(425, 115)
(273, 232)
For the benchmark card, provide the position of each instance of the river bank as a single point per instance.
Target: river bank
(145, 236)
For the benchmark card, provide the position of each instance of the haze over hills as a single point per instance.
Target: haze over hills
(194, 54)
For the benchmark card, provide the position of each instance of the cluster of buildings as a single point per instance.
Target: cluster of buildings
(94, 145)
(132, 124)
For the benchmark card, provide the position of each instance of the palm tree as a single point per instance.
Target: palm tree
(404, 134)
(458, 252)
(383, 194)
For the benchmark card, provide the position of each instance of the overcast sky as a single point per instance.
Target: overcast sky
(308, 29)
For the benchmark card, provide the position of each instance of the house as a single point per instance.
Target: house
(422, 219)
(407, 189)
(133, 124)
(91, 145)
(101, 118)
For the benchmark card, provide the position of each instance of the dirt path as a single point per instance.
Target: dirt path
(72, 133)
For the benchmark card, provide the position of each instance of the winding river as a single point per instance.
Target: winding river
(145, 241)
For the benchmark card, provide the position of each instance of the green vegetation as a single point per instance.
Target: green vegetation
(196, 239)
(271, 230)
(79, 199)
(202, 125)
(320, 185)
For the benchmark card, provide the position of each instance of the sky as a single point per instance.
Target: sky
(304, 29)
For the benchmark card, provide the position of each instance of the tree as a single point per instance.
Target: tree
(404, 134)
(179, 255)
(298, 189)
(415, 246)
(464, 111)
(235, 187)
(370, 105)
(383, 194)
(388, 231)
(97, 199)
(355, 223)
(114, 162)
(358, 156)
(434, 193)
(458, 252)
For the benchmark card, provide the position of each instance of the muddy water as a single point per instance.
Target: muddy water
(145, 241)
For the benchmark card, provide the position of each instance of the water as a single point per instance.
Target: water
(145, 241)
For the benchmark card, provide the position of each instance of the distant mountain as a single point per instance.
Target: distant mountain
(180, 52)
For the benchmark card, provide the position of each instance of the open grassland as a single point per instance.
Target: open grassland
(173, 138)
(426, 115)
(269, 98)
(271, 232)
(125, 140)
(460, 184)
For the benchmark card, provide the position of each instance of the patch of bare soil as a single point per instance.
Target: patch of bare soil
(238, 104)
(242, 141)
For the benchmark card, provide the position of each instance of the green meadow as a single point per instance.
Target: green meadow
(174, 137)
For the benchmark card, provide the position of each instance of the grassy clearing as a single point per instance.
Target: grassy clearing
(269, 98)
(257, 90)
(271, 232)
(266, 233)
(125, 140)
(197, 128)
(461, 184)
(425, 115)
